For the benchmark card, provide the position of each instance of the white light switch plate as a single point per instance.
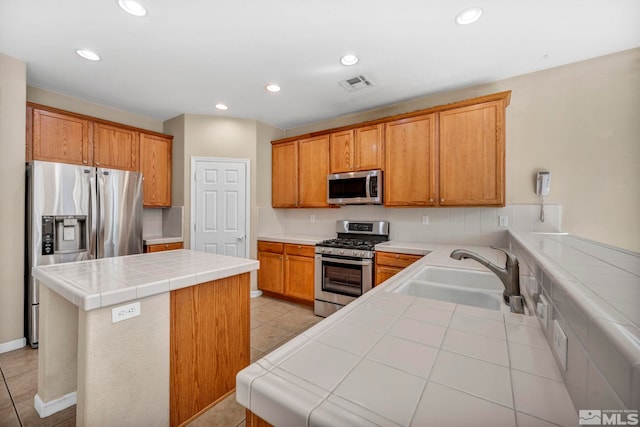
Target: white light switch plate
(425, 219)
(560, 344)
(125, 312)
(503, 221)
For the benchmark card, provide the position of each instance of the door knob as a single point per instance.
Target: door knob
(241, 237)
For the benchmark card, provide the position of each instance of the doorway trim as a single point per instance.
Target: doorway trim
(247, 169)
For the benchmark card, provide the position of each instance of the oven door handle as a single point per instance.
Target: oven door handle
(348, 261)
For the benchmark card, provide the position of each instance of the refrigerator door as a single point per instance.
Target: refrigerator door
(59, 227)
(119, 213)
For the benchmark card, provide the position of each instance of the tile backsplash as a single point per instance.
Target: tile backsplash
(476, 226)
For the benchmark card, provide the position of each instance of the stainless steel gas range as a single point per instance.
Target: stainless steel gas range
(344, 266)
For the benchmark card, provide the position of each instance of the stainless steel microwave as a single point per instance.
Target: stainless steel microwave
(355, 188)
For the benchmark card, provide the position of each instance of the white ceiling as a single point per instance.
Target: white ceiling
(186, 56)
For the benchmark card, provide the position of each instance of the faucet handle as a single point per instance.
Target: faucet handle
(511, 257)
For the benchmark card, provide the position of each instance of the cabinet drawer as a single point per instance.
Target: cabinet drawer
(396, 260)
(301, 250)
(163, 247)
(270, 247)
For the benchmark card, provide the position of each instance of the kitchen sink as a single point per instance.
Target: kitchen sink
(467, 287)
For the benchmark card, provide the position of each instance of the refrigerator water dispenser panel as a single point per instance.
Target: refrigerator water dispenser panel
(64, 234)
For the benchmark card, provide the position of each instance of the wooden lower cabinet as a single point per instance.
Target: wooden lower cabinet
(255, 421)
(388, 264)
(286, 271)
(163, 247)
(209, 343)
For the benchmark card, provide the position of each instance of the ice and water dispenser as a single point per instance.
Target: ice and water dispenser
(64, 234)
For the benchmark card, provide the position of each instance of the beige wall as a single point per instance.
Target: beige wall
(76, 105)
(13, 75)
(580, 121)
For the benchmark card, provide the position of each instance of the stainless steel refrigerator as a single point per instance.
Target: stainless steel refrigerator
(76, 213)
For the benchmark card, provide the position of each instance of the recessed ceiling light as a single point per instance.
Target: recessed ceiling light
(349, 59)
(272, 87)
(469, 16)
(132, 7)
(88, 54)
(221, 107)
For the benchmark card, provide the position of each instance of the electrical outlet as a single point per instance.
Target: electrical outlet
(503, 221)
(560, 344)
(542, 311)
(312, 218)
(125, 312)
(425, 219)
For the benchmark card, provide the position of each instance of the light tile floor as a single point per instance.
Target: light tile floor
(273, 322)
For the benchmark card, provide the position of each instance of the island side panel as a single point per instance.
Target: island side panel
(57, 347)
(209, 343)
(123, 367)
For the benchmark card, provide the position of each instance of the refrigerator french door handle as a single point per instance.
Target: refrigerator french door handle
(93, 209)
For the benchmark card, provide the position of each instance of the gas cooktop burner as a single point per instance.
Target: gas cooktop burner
(348, 244)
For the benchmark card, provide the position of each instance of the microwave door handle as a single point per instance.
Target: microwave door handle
(368, 185)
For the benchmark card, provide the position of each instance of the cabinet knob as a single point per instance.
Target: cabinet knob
(280, 257)
(397, 256)
(299, 246)
(166, 246)
(431, 200)
(442, 200)
(84, 161)
(97, 163)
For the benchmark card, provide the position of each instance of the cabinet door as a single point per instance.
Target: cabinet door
(298, 281)
(409, 178)
(341, 151)
(384, 272)
(115, 147)
(472, 155)
(368, 147)
(155, 165)
(270, 274)
(284, 178)
(61, 138)
(313, 170)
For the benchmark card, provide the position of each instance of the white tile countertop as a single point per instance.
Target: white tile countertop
(594, 293)
(161, 240)
(390, 359)
(99, 283)
(295, 239)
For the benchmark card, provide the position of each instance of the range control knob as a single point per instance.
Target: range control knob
(341, 251)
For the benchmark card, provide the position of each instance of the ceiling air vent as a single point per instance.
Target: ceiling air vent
(356, 83)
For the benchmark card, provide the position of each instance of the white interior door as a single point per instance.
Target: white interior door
(219, 206)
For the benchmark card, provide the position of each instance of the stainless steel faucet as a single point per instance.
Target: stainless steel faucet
(509, 275)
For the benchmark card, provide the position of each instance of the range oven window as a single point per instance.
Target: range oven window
(342, 279)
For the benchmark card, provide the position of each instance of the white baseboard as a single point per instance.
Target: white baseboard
(256, 294)
(12, 345)
(56, 405)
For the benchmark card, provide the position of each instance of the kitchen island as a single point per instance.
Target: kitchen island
(150, 339)
(390, 359)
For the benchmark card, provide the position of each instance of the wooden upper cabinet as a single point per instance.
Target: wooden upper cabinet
(369, 147)
(284, 179)
(312, 171)
(472, 151)
(409, 178)
(357, 149)
(116, 147)
(341, 151)
(60, 138)
(155, 165)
